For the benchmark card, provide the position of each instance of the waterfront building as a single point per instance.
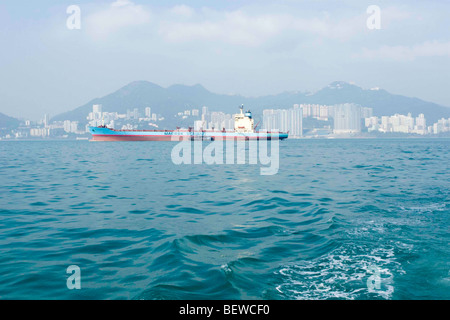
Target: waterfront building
(347, 118)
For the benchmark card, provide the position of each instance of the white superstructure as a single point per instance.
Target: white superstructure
(243, 122)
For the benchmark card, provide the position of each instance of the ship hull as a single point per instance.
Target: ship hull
(106, 134)
(113, 137)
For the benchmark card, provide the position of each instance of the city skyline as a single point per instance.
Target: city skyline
(347, 120)
(193, 90)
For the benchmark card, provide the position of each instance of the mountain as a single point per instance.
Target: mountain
(7, 122)
(382, 102)
(164, 101)
(177, 98)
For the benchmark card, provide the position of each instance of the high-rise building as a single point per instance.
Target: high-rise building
(74, 126)
(366, 112)
(39, 132)
(421, 124)
(95, 117)
(46, 121)
(372, 123)
(296, 125)
(199, 125)
(320, 112)
(385, 124)
(347, 118)
(220, 120)
(67, 125)
(284, 120)
(97, 108)
(270, 119)
(323, 113)
(148, 112)
(205, 114)
(399, 123)
(442, 125)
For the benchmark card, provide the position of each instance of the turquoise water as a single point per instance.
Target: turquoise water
(342, 219)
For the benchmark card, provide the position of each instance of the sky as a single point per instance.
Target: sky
(252, 48)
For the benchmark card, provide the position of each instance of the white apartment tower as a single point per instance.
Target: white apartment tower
(347, 118)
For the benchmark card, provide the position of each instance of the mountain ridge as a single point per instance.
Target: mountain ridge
(178, 97)
(7, 122)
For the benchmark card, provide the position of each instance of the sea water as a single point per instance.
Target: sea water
(341, 219)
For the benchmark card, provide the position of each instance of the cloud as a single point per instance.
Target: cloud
(407, 53)
(245, 26)
(182, 11)
(241, 28)
(121, 3)
(118, 15)
(234, 27)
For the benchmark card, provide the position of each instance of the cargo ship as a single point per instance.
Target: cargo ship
(244, 129)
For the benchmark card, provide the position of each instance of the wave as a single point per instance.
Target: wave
(344, 273)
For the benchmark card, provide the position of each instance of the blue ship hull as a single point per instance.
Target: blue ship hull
(107, 134)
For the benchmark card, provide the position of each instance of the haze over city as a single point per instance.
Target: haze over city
(252, 48)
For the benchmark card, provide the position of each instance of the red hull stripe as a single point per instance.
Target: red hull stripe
(107, 137)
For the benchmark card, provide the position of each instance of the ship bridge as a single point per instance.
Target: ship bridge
(243, 122)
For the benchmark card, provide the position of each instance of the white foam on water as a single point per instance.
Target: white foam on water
(226, 269)
(345, 273)
(425, 208)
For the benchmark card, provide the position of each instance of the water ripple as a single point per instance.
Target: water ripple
(140, 227)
